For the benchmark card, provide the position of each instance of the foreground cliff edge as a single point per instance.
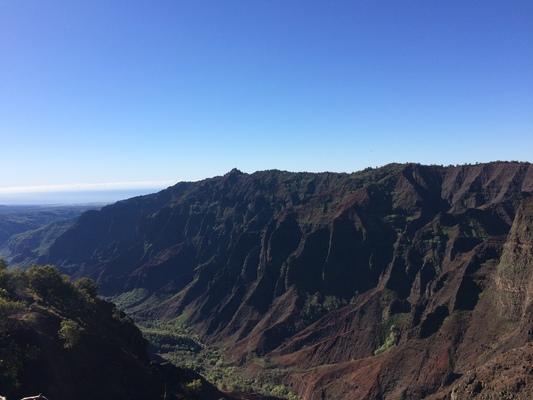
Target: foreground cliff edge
(57, 337)
(405, 281)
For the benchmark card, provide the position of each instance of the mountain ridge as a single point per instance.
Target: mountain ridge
(348, 271)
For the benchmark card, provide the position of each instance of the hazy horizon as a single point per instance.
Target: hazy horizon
(64, 194)
(72, 198)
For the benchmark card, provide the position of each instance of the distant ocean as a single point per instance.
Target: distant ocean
(71, 197)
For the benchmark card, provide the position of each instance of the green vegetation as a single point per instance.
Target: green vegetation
(26, 232)
(167, 340)
(48, 284)
(13, 355)
(387, 296)
(70, 331)
(391, 329)
(390, 340)
(87, 287)
(130, 299)
(24, 295)
(136, 301)
(8, 306)
(175, 342)
(474, 229)
(316, 306)
(282, 392)
(54, 330)
(194, 386)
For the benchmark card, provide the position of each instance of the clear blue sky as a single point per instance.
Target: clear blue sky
(120, 91)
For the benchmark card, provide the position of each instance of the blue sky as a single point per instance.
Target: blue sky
(99, 92)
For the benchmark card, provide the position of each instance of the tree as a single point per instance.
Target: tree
(45, 281)
(87, 286)
(194, 386)
(70, 331)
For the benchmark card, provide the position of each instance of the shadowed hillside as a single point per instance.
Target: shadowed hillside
(58, 338)
(27, 231)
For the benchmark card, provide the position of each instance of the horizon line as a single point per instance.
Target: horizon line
(87, 187)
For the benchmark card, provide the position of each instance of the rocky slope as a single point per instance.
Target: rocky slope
(389, 283)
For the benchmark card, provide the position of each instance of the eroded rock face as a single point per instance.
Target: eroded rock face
(507, 376)
(388, 283)
(514, 278)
